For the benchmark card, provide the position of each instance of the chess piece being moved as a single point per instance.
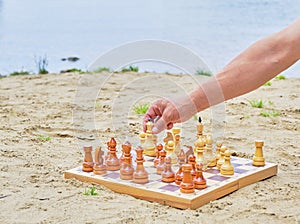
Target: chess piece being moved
(192, 161)
(161, 165)
(187, 184)
(168, 175)
(126, 171)
(258, 158)
(221, 160)
(227, 168)
(158, 149)
(179, 173)
(140, 175)
(112, 161)
(199, 180)
(149, 145)
(88, 164)
(99, 166)
(171, 151)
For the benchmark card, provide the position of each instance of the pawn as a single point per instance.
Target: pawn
(140, 175)
(179, 173)
(177, 144)
(227, 168)
(171, 151)
(187, 184)
(192, 161)
(112, 161)
(99, 166)
(158, 149)
(221, 160)
(161, 165)
(88, 164)
(199, 181)
(126, 171)
(199, 150)
(142, 136)
(212, 159)
(168, 175)
(218, 149)
(258, 159)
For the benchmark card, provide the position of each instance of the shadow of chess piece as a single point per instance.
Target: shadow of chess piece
(99, 166)
(88, 164)
(187, 184)
(126, 170)
(258, 159)
(192, 161)
(161, 165)
(112, 161)
(199, 180)
(158, 149)
(227, 168)
(140, 175)
(221, 160)
(168, 175)
(179, 173)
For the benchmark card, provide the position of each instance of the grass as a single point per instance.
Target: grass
(204, 73)
(19, 73)
(44, 138)
(92, 191)
(42, 63)
(269, 83)
(130, 69)
(269, 114)
(256, 103)
(102, 69)
(280, 77)
(141, 108)
(75, 70)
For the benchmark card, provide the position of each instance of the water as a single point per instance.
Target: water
(216, 30)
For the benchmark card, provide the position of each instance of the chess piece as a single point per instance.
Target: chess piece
(149, 146)
(221, 160)
(88, 163)
(126, 170)
(158, 149)
(168, 138)
(187, 184)
(179, 173)
(192, 161)
(258, 158)
(112, 161)
(209, 154)
(171, 151)
(177, 144)
(199, 150)
(227, 168)
(168, 175)
(199, 128)
(161, 165)
(218, 150)
(99, 166)
(142, 136)
(140, 175)
(199, 180)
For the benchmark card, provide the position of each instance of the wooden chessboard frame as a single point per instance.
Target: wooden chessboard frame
(178, 200)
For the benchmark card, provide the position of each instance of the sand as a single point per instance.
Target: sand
(33, 189)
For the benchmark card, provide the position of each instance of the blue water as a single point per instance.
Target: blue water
(216, 30)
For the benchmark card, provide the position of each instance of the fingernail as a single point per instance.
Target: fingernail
(154, 130)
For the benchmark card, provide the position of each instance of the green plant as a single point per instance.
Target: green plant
(269, 83)
(131, 69)
(102, 69)
(19, 73)
(256, 103)
(141, 108)
(269, 114)
(42, 63)
(280, 77)
(204, 73)
(92, 191)
(44, 138)
(97, 105)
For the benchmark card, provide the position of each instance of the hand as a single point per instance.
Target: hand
(166, 112)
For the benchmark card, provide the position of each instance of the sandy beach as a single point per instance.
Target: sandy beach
(42, 130)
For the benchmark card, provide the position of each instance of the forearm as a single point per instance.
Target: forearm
(256, 65)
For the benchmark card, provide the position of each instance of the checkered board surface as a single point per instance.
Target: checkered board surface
(169, 193)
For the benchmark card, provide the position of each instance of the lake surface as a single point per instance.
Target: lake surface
(215, 30)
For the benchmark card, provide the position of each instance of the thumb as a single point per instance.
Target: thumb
(159, 126)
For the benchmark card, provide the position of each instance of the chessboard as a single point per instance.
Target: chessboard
(155, 190)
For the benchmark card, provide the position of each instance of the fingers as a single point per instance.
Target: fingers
(156, 110)
(159, 126)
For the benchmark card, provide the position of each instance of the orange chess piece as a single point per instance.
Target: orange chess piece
(140, 175)
(112, 161)
(199, 180)
(87, 165)
(168, 175)
(99, 166)
(187, 184)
